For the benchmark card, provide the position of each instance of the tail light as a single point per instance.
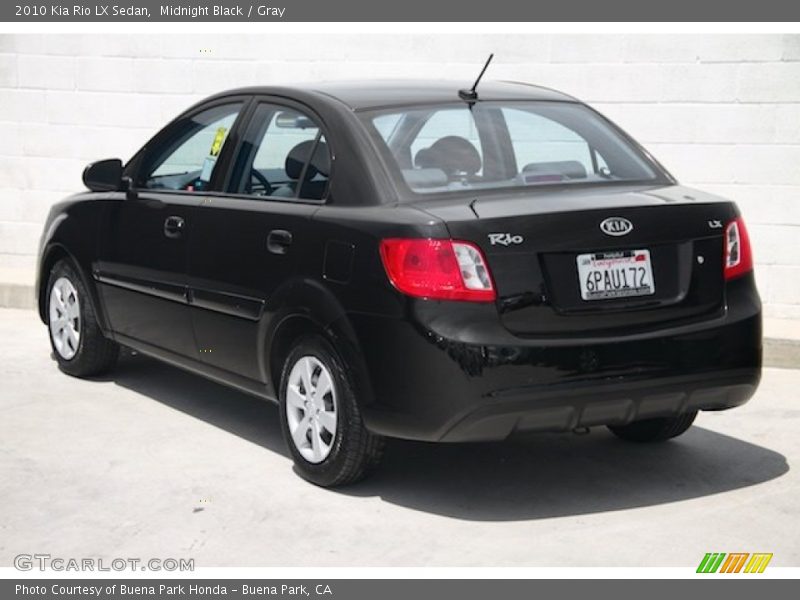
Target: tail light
(438, 269)
(738, 255)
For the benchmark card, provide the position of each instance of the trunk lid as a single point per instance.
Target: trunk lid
(533, 245)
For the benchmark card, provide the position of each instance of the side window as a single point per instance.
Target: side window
(284, 155)
(186, 158)
(547, 149)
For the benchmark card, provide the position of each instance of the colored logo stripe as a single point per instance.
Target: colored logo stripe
(758, 563)
(711, 562)
(734, 562)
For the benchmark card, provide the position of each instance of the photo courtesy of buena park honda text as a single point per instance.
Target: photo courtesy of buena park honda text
(348, 300)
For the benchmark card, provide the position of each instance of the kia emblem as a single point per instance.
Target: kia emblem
(616, 226)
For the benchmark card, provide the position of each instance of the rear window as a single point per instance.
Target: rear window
(494, 145)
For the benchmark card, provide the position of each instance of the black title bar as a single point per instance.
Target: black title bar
(405, 10)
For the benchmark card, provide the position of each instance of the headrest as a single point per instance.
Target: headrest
(298, 156)
(571, 169)
(451, 154)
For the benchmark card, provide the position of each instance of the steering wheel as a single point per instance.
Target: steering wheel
(256, 174)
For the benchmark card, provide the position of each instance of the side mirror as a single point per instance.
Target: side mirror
(104, 175)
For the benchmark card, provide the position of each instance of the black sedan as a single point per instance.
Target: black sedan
(404, 260)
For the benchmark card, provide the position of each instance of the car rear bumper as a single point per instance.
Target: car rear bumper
(606, 404)
(427, 386)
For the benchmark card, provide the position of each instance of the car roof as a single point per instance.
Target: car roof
(373, 94)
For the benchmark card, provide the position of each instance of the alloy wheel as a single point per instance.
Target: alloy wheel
(311, 408)
(65, 318)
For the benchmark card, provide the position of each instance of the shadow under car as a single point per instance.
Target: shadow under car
(528, 477)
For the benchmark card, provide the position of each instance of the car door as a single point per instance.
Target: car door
(142, 271)
(255, 238)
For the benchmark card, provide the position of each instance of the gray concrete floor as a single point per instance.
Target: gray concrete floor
(155, 462)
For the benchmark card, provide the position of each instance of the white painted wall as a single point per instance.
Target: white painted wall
(722, 112)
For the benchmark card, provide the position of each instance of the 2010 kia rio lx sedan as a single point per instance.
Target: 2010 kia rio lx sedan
(398, 260)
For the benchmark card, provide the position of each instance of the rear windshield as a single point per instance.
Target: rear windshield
(492, 145)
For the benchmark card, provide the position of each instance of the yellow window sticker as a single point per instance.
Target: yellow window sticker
(219, 139)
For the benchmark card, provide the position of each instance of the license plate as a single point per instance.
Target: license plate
(605, 275)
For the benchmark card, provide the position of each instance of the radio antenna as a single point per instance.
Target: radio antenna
(471, 95)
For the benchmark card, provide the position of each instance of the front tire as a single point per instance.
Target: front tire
(654, 430)
(320, 418)
(79, 346)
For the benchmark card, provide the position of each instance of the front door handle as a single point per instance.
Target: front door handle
(278, 241)
(174, 226)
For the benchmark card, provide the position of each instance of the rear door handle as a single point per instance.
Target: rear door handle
(278, 241)
(174, 226)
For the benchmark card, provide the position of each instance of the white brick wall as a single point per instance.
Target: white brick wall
(722, 112)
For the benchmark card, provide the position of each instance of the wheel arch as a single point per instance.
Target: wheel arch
(52, 254)
(308, 307)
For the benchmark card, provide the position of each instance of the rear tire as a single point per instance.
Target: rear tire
(79, 346)
(654, 430)
(320, 418)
